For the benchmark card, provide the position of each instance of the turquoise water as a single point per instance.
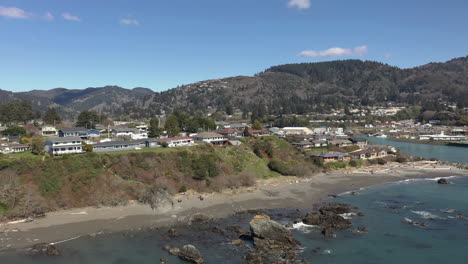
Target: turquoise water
(440, 152)
(390, 238)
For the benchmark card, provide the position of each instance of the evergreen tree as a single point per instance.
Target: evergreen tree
(51, 116)
(154, 130)
(172, 125)
(88, 119)
(257, 125)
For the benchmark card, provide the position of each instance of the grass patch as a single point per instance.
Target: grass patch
(3, 208)
(316, 150)
(336, 165)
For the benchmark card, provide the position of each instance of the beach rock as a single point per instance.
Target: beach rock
(237, 229)
(191, 254)
(158, 199)
(360, 214)
(288, 225)
(254, 258)
(236, 242)
(460, 216)
(217, 229)
(329, 232)
(336, 208)
(312, 219)
(297, 221)
(363, 229)
(173, 233)
(171, 250)
(273, 241)
(200, 218)
(45, 249)
(442, 181)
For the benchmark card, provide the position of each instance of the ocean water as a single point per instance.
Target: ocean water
(440, 152)
(387, 210)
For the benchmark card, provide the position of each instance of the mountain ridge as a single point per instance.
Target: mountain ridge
(282, 89)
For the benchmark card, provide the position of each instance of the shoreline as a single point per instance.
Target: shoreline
(283, 192)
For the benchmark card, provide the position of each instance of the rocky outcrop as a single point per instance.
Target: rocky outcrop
(329, 232)
(329, 218)
(273, 242)
(443, 181)
(191, 254)
(188, 253)
(200, 218)
(45, 249)
(172, 233)
(158, 199)
(335, 208)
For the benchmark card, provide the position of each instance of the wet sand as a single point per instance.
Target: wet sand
(283, 192)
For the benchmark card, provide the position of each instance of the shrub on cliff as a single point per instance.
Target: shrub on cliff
(381, 161)
(205, 166)
(355, 163)
(278, 166)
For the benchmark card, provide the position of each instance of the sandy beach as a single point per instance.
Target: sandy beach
(283, 192)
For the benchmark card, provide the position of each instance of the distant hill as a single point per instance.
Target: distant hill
(291, 88)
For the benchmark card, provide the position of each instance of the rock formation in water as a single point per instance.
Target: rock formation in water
(273, 242)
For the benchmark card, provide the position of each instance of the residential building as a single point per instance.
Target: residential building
(133, 133)
(48, 131)
(176, 141)
(297, 131)
(212, 138)
(14, 148)
(370, 153)
(259, 132)
(322, 130)
(305, 144)
(332, 156)
(222, 124)
(340, 143)
(73, 132)
(119, 145)
(64, 145)
(360, 142)
(229, 132)
(93, 133)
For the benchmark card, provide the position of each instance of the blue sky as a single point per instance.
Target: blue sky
(160, 44)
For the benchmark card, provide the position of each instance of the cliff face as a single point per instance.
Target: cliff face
(34, 185)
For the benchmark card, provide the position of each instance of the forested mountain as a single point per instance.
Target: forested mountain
(291, 88)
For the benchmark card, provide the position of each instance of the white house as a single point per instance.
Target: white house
(176, 141)
(297, 131)
(323, 130)
(14, 148)
(64, 145)
(212, 138)
(133, 133)
(47, 131)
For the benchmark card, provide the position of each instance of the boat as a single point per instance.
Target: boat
(381, 135)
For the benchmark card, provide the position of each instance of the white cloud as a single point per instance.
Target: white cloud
(14, 12)
(389, 55)
(70, 17)
(334, 52)
(301, 4)
(129, 22)
(48, 16)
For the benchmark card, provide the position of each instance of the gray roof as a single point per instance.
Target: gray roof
(134, 130)
(331, 154)
(207, 135)
(74, 129)
(120, 143)
(63, 139)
